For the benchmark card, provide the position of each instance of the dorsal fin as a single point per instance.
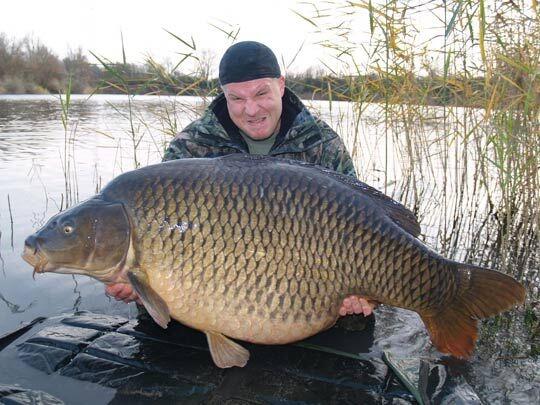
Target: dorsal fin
(401, 215)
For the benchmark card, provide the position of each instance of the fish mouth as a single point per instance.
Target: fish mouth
(38, 260)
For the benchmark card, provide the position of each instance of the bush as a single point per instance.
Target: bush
(13, 85)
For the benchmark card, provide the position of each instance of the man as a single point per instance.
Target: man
(257, 114)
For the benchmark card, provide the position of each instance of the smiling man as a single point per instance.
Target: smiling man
(258, 114)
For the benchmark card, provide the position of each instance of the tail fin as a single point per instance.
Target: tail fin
(481, 293)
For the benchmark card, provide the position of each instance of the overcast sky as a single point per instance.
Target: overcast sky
(96, 25)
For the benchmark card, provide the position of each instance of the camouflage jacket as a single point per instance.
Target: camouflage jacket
(303, 137)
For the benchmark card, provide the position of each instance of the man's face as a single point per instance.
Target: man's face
(255, 106)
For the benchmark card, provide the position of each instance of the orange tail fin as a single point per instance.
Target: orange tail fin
(482, 293)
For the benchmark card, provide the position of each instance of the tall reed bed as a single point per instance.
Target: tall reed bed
(468, 160)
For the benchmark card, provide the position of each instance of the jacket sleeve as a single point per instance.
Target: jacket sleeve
(181, 147)
(334, 152)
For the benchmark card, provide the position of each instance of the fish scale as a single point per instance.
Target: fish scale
(265, 250)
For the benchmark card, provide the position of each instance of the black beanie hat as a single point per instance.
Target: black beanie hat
(247, 60)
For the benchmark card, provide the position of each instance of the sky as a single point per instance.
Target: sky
(97, 26)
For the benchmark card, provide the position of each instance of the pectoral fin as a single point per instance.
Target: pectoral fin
(154, 304)
(225, 352)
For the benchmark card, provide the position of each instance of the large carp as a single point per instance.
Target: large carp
(265, 250)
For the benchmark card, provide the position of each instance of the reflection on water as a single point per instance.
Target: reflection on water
(2, 262)
(14, 308)
(458, 216)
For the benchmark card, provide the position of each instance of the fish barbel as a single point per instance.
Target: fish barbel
(265, 250)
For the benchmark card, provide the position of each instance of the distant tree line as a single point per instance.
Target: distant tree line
(29, 67)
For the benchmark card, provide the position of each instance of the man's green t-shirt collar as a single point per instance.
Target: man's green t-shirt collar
(259, 146)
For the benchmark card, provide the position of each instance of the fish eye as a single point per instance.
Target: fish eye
(67, 229)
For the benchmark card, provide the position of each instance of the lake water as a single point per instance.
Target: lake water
(44, 166)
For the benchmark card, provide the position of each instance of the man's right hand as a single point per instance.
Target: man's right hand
(122, 292)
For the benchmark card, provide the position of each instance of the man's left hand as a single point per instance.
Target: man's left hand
(354, 304)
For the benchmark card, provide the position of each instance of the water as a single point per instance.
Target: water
(38, 157)
(34, 164)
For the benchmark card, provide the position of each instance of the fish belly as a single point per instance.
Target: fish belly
(254, 313)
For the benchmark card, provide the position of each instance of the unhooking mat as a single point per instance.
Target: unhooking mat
(88, 358)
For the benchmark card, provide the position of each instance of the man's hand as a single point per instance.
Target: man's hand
(354, 304)
(122, 292)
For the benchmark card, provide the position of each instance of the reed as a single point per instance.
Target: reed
(481, 54)
(120, 80)
(67, 156)
(155, 79)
